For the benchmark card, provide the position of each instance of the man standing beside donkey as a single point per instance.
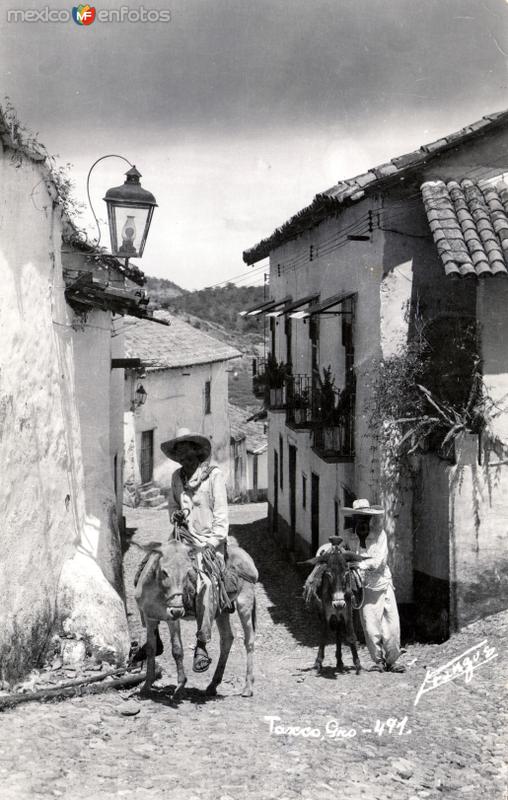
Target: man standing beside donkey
(379, 614)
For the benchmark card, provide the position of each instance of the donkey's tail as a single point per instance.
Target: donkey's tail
(254, 618)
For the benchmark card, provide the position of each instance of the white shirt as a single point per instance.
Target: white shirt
(207, 504)
(377, 574)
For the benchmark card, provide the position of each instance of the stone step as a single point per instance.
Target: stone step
(153, 502)
(162, 506)
(147, 494)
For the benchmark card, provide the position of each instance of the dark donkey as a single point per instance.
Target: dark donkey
(335, 587)
(164, 591)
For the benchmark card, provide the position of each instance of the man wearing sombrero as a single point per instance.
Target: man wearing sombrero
(200, 489)
(379, 614)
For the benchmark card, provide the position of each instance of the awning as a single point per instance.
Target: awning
(324, 305)
(293, 306)
(262, 308)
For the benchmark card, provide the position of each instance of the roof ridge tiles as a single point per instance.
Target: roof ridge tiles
(348, 190)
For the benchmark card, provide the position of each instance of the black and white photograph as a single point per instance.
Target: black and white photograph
(254, 400)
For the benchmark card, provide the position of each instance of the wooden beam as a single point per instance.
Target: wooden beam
(125, 363)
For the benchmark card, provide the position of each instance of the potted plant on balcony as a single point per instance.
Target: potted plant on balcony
(276, 375)
(301, 405)
(335, 413)
(327, 396)
(259, 384)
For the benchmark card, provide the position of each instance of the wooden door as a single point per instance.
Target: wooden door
(146, 460)
(292, 496)
(314, 512)
(255, 476)
(275, 520)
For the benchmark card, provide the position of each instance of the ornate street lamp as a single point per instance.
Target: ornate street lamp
(130, 211)
(140, 396)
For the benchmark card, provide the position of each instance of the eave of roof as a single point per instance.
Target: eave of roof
(90, 291)
(378, 178)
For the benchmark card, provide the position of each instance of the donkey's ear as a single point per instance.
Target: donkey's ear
(151, 547)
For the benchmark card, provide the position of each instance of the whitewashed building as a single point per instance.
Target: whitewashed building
(248, 478)
(61, 438)
(419, 241)
(184, 374)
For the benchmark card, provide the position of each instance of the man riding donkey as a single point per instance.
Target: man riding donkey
(378, 612)
(198, 513)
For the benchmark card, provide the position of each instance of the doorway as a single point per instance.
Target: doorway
(314, 512)
(146, 460)
(292, 496)
(275, 520)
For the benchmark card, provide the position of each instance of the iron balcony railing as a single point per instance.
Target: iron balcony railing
(334, 432)
(301, 402)
(258, 377)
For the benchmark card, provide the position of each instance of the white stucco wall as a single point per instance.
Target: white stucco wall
(262, 467)
(100, 415)
(43, 490)
(176, 399)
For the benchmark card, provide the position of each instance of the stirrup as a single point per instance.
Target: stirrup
(201, 660)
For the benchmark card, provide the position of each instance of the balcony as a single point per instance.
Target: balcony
(333, 437)
(258, 377)
(269, 379)
(300, 405)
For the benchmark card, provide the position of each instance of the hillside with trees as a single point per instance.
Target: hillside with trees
(219, 304)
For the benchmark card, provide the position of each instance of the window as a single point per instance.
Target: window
(281, 463)
(304, 490)
(336, 517)
(289, 348)
(208, 397)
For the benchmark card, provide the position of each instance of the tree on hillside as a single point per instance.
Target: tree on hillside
(220, 304)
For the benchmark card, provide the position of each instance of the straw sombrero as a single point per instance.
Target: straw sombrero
(182, 436)
(363, 508)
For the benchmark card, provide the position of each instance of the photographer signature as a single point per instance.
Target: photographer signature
(460, 666)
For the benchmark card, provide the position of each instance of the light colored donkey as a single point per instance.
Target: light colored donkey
(160, 591)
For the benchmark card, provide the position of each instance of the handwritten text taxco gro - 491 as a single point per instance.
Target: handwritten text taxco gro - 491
(333, 729)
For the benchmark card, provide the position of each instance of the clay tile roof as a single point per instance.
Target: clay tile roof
(354, 189)
(252, 432)
(469, 223)
(179, 345)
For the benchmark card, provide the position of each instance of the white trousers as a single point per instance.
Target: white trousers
(381, 625)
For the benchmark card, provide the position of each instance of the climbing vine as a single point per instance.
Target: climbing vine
(26, 143)
(431, 390)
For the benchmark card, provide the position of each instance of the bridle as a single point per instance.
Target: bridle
(347, 578)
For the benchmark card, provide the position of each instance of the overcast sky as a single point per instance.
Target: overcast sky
(237, 112)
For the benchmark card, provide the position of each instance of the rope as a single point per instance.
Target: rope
(352, 571)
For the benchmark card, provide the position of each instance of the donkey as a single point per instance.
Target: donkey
(163, 586)
(336, 590)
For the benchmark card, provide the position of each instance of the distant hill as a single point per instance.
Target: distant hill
(216, 304)
(161, 290)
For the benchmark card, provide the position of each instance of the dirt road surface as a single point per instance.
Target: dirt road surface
(300, 736)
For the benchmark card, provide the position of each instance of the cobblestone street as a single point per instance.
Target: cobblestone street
(452, 744)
